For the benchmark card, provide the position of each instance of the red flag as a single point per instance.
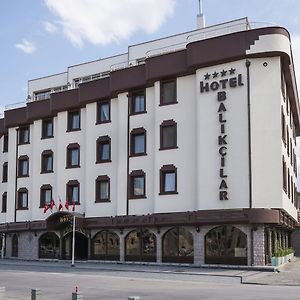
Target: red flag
(46, 208)
(73, 208)
(67, 205)
(52, 204)
(60, 206)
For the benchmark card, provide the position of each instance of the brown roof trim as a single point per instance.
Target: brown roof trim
(275, 217)
(198, 54)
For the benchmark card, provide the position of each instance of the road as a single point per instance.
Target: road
(57, 281)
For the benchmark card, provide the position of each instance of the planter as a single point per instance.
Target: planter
(277, 261)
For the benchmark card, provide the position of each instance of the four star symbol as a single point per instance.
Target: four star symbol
(222, 73)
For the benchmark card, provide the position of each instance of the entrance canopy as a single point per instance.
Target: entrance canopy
(62, 219)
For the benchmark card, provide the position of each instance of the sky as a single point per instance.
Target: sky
(43, 37)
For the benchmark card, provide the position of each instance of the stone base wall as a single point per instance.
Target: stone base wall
(28, 243)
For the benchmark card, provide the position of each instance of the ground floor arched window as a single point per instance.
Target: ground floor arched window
(106, 246)
(226, 245)
(15, 246)
(178, 246)
(49, 245)
(140, 245)
(81, 246)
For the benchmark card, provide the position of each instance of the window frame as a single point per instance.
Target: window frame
(70, 148)
(5, 172)
(132, 96)
(69, 186)
(165, 124)
(99, 143)
(98, 110)
(5, 143)
(162, 83)
(21, 135)
(22, 191)
(45, 123)
(44, 155)
(43, 189)
(136, 132)
(71, 114)
(136, 174)
(4, 203)
(21, 160)
(167, 169)
(99, 180)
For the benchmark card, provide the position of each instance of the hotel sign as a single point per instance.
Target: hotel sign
(220, 86)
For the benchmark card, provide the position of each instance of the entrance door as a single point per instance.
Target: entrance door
(81, 246)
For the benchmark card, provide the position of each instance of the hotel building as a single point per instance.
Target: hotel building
(180, 150)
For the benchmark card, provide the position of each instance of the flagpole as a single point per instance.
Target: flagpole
(73, 242)
(3, 245)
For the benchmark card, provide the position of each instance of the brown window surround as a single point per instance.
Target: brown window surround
(288, 184)
(5, 172)
(103, 149)
(138, 142)
(284, 183)
(47, 128)
(137, 102)
(23, 166)
(102, 182)
(22, 199)
(168, 92)
(287, 140)
(168, 180)
(5, 143)
(46, 190)
(103, 112)
(73, 159)
(283, 133)
(137, 185)
(71, 188)
(24, 135)
(47, 161)
(73, 120)
(168, 135)
(4, 202)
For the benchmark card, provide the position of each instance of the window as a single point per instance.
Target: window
(47, 128)
(24, 135)
(47, 161)
(137, 184)
(73, 192)
(23, 167)
(168, 93)
(287, 140)
(46, 195)
(103, 112)
(103, 189)
(22, 198)
(138, 103)
(168, 135)
(103, 151)
(284, 175)
(43, 95)
(4, 202)
(5, 172)
(74, 120)
(168, 180)
(138, 142)
(73, 156)
(283, 127)
(5, 143)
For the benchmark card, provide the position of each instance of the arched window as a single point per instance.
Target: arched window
(140, 246)
(178, 246)
(106, 246)
(14, 252)
(226, 245)
(49, 245)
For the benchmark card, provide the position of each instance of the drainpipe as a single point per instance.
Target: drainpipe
(16, 175)
(128, 152)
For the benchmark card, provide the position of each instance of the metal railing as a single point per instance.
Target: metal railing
(15, 105)
(127, 64)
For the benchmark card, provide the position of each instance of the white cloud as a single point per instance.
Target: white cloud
(105, 21)
(26, 46)
(49, 27)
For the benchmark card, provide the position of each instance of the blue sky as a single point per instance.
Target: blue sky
(42, 37)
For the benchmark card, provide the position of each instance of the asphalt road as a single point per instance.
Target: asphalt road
(57, 281)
